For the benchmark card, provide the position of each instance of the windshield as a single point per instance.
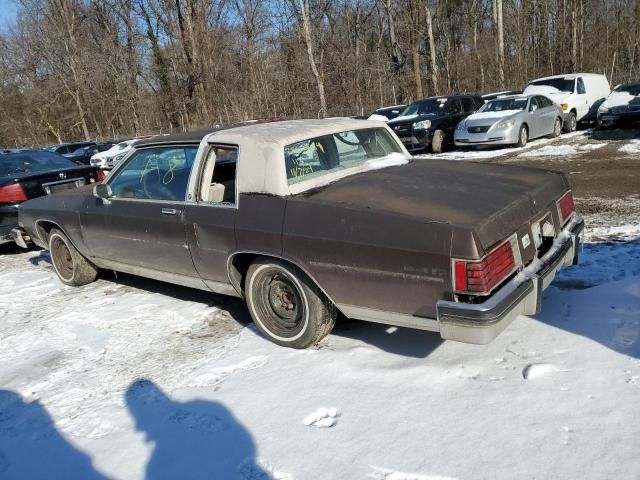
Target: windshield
(633, 89)
(425, 107)
(320, 156)
(562, 84)
(21, 163)
(123, 145)
(503, 104)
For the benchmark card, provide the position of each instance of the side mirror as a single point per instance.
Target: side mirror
(102, 191)
(533, 108)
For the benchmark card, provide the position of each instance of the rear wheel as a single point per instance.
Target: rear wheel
(437, 142)
(523, 136)
(286, 306)
(571, 124)
(72, 268)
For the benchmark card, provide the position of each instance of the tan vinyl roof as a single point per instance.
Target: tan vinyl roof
(261, 165)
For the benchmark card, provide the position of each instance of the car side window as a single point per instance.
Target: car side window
(467, 105)
(454, 106)
(218, 179)
(158, 173)
(534, 102)
(581, 88)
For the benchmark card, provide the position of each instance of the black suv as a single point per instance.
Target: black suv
(432, 121)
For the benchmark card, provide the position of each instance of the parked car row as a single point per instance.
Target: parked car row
(547, 107)
(34, 173)
(458, 248)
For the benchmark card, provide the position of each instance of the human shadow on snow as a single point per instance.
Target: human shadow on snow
(193, 440)
(196, 439)
(32, 448)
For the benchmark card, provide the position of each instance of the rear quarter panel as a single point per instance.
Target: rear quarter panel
(62, 209)
(370, 259)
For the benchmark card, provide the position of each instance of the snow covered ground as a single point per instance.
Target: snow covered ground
(129, 378)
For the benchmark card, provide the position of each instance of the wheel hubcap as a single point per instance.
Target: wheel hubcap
(283, 299)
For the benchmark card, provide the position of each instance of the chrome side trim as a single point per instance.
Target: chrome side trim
(389, 318)
(192, 282)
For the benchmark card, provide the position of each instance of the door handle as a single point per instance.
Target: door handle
(169, 211)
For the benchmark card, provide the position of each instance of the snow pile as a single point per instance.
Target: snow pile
(632, 147)
(551, 150)
(561, 150)
(492, 152)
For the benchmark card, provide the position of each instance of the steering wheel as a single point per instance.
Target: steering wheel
(154, 188)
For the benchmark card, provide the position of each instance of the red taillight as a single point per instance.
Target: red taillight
(483, 276)
(100, 176)
(566, 206)
(12, 193)
(461, 276)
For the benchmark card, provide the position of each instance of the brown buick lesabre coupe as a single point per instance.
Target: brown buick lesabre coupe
(305, 219)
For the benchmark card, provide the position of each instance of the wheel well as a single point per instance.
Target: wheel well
(525, 125)
(239, 263)
(43, 228)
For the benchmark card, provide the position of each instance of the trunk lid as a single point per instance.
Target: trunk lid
(493, 201)
(43, 183)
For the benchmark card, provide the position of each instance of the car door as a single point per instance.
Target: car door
(210, 215)
(142, 224)
(456, 114)
(533, 117)
(548, 115)
(582, 100)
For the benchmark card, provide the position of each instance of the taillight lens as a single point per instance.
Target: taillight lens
(483, 276)
(566, 206)
(12, 193)
(100, 176)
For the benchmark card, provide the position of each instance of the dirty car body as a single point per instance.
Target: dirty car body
(332, 207)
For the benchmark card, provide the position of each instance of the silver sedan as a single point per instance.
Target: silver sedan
(510, 120)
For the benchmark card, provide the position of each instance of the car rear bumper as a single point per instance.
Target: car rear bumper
(20, 237)
(481, 323)
(8, 221)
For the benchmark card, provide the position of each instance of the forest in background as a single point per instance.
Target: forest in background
(98, 69)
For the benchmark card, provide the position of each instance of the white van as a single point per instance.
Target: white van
(579, 95)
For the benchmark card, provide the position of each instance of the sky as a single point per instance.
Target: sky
(7, 12)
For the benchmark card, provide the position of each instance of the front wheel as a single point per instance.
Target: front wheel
(557, 128)
(523, 136)
(72, 268)
(571, 124)
(286, 306)
(437, 142)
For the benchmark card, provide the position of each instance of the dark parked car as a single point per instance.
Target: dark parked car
(621, 107)
(66, 149)
(83, 154)
(385, 114)
(307, 218)
(31, 174)
(430, 123)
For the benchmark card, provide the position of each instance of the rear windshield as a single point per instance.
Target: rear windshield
(320, 156)
(20, 163)
(503, 104)
(633, 89)
(562, 84)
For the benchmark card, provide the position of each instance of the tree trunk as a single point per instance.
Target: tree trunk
(432, 50)
(500, 43)
(306, 28)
